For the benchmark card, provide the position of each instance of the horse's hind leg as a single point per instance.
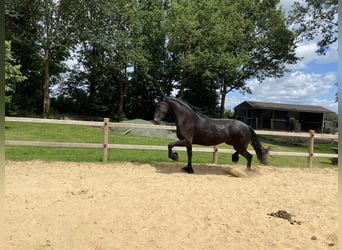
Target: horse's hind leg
(248, 157)
(235, 157)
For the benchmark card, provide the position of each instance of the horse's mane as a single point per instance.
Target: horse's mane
(189, 106)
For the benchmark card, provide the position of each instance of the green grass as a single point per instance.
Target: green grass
(85, 134)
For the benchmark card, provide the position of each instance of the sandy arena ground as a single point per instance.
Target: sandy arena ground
(83, 206)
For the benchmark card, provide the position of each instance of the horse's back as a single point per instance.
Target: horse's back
(215, 131)
(237, 131)
(237, 134)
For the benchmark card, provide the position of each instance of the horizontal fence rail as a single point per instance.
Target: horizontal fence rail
(53, 144)
(215, 150)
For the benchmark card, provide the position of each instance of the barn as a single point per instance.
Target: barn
(275, 116)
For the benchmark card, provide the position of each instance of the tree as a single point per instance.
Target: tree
(104, 52)
(19, 30)
(53, 39)
(315, 19)
(229, 42)
(149, 77)
(40, 35)
(13, 74)
(129, 52)
(121, 52)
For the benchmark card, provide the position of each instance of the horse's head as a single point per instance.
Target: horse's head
(161, 110)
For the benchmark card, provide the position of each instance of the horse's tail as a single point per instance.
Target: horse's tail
(260, 151)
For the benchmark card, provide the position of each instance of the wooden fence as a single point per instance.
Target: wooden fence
(215, 150)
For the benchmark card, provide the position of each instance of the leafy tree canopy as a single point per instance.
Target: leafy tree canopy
(315, 18)
(229, 42)
(128, 52)
(13, 74)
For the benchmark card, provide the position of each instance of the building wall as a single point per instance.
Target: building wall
(276, 120)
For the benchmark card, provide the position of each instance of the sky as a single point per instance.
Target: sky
(310, 82)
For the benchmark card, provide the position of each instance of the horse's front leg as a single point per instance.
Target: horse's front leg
(174, 155)
(188, 168)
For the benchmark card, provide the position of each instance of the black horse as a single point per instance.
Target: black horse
(195, 128)
(290, 124)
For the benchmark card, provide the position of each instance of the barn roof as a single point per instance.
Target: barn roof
(286, 107)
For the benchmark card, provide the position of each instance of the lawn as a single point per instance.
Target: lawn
(87, 134)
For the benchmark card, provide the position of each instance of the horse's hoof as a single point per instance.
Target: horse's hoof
(235, 158)
(188, 169)
(174, 156)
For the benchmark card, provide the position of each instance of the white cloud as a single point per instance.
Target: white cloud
(286, 4)
(331, 55)
(307, 52)
(233, 100)
(295, 87)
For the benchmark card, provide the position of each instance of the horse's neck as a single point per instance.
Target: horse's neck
(182, 113)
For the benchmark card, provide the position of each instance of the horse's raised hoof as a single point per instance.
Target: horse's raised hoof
(174, 156)
(188, 169)
(235, 158)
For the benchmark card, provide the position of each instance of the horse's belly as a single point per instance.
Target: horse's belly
(207, 143)
(210, 138)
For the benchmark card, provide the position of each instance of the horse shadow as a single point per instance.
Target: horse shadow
(199, 169)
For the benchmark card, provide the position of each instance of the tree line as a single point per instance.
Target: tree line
(116, 57)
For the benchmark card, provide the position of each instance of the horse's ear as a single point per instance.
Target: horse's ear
(159, 98)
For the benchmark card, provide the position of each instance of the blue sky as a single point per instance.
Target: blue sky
(310, 82)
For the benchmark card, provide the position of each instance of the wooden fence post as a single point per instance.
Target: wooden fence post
(215, 154)
(311, 147)
(105, 139)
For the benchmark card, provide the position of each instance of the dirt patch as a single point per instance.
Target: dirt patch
(58, 205)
